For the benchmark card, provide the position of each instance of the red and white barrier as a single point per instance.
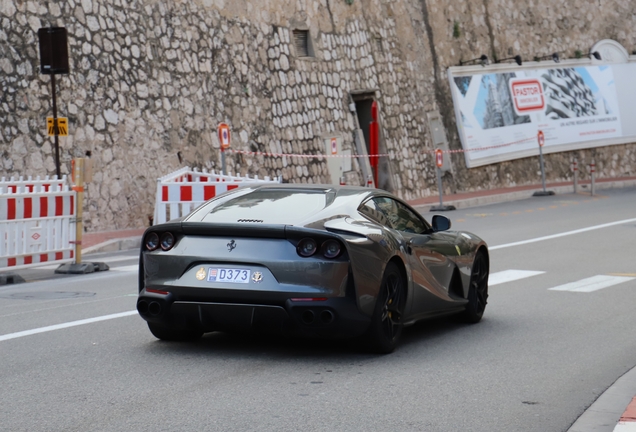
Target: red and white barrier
(32, 185)
(181, 191)
(36, 227)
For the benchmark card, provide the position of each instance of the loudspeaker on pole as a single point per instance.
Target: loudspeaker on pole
(53, 50)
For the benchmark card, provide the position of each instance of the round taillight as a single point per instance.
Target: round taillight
(167, 241)
(307, 247)
(331, 249)
(152, 241)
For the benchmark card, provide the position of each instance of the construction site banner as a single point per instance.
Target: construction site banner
(499, 115)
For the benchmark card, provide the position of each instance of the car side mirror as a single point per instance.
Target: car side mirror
(441, 223)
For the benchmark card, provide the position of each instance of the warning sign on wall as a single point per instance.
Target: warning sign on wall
(62, 126)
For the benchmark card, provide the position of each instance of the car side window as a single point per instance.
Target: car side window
(371, 210)
(408, 221)
(394, 214)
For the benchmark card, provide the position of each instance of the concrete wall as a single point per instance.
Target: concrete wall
(151, 79)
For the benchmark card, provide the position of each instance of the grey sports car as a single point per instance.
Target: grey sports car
(328, 261)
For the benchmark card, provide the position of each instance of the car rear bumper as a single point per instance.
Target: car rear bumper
(332, 318)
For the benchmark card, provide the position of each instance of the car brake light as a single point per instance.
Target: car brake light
(331, 249)
(167, 241)
(152, 241)
(307, 247)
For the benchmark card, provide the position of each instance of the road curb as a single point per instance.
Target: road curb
(603, 415)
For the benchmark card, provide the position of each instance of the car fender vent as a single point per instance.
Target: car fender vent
(250, 220)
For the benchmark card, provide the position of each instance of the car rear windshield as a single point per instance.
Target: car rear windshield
(269, 206)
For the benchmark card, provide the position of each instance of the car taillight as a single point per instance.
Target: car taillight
(152, 241)
(307, 247)
(167, 241)
(331, 249)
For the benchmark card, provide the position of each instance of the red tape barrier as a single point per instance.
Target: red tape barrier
(321, 156)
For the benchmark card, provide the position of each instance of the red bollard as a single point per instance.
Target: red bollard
(575, 168)
(592, 171)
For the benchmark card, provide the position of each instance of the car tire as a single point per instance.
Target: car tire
(477, 290)
(168, 334)
(386, 323)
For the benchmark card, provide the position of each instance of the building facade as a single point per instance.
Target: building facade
(150, 81)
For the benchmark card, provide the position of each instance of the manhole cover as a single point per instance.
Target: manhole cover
(48, 295)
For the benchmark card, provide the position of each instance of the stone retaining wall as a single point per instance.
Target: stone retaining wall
(150, 80)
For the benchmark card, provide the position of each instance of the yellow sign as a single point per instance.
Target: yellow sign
(62, 126)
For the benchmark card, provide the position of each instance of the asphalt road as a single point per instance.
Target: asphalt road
(537, 360)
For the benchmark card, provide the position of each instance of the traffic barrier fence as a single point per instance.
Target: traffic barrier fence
(29, 184)
(181, 191)
(37, 223)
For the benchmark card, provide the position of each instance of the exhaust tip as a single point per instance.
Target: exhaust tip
(154, 308)
(326, 317)
(308, 316)
(142, 307)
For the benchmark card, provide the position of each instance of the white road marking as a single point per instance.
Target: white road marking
(510, 275)
(65, 325)
(126, 268)
(593, 283)
(563, 234)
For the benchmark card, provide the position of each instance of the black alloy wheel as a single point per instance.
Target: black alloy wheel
(386, 323)
(168, 334)
(477, 291)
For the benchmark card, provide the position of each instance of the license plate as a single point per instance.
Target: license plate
(228, 275)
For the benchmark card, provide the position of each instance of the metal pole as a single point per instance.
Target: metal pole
(439, 185)
(576, 174)
(222, 160)
(542, 167)
(78, 180)
(593, 170)
(55, 130)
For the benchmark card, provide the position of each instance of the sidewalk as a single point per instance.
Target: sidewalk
(109, 241)
(492, 196)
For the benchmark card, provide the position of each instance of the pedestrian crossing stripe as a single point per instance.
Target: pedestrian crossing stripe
(62, 126)
(593, 283)
(510, 275)
(586, 285)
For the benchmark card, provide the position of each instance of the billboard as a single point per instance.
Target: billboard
(499, 114)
